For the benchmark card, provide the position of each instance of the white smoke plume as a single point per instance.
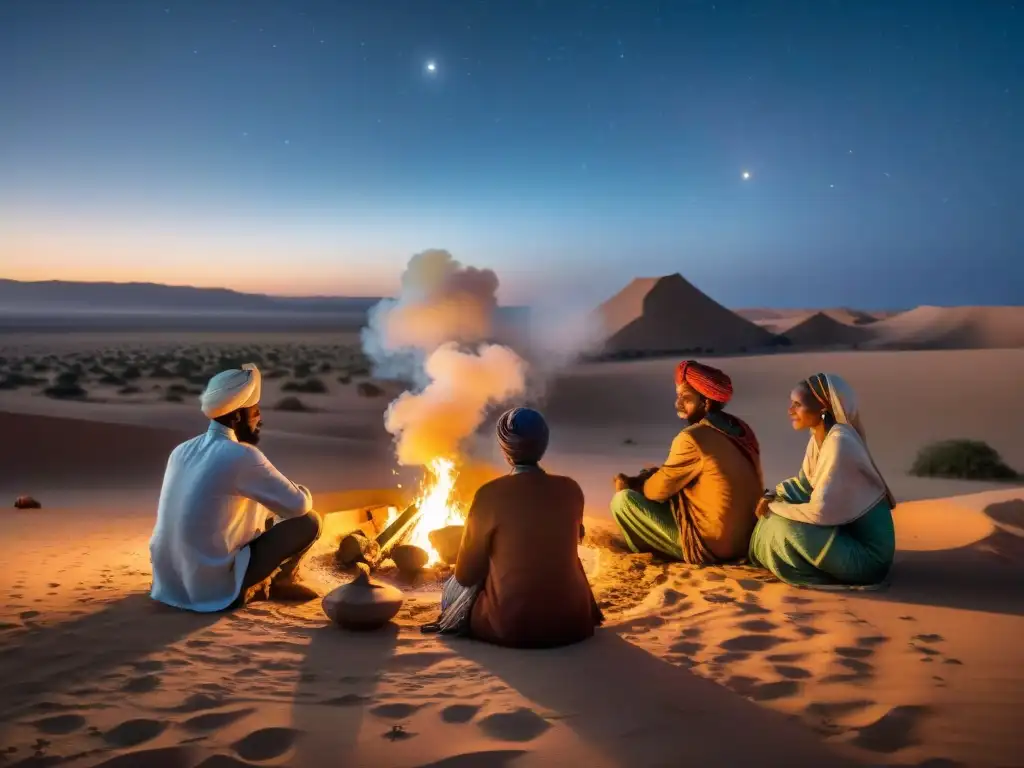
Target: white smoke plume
(431, 336)
(434, 421)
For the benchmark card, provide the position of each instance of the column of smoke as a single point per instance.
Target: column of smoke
(434, 335)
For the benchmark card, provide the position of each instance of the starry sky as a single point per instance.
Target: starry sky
(775, 152)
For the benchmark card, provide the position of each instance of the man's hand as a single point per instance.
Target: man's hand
(763, 507)
(621, 482)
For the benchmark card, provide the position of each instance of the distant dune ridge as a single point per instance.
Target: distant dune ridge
(668, 314)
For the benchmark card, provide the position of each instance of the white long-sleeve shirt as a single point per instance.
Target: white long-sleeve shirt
(214, 502)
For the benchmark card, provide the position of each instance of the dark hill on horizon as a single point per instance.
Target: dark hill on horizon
(69, 296)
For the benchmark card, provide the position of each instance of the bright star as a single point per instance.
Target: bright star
(746, 175)
(431, 66)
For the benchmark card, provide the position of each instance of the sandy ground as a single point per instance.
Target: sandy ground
(717, 666)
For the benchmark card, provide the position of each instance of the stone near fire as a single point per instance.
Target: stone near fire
(409, 558)
(447, 541)
(363, 604)
(355, 548)
(27, 502)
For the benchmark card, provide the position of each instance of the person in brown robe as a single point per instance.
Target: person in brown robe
(699, 506)
(518, 579)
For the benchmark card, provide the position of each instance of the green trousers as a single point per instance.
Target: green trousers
(648, 526)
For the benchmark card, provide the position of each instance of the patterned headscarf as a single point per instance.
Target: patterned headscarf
(522, 436)
(710, 382)
(837, 397)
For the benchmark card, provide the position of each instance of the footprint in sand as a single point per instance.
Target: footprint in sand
(520, 725)
(686, 648)
(266, 743)
(397, 711)
(148, 665)
(24, 615)
(347, 700)
(928, 638)
(143, 684)
(855, 653)
(871, 641)
(212, 721)
(897, 729)
(224, 761)
(134, 732)
(164, 757)
(756, 690)
(758, 625)
(715, 576)
(796, 600)
(792, 673)
(459, 713)
(786, 658)
(751, 643)
(751, 585)
(59, 725)
(831, 710)
(495, 758)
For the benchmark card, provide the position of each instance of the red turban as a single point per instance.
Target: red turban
(710, 382)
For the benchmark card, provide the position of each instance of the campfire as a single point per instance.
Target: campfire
(426, 533)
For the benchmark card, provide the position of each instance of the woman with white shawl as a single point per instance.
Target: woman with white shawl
(831, 525)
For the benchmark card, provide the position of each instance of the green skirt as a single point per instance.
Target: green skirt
(804, 555)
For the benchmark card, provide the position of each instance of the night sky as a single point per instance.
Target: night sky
(311, 147)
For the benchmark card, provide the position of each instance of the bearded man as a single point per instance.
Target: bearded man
(212, 547)
(699, 506)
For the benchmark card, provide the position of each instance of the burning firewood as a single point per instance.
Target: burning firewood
(402, 524)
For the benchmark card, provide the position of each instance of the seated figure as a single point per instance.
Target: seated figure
(212, 547)
(518, 579)
(831, 525)
(697, 507)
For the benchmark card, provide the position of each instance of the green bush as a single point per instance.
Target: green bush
(309, 386)
(961, 459)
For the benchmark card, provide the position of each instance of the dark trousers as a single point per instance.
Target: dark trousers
(281, 547)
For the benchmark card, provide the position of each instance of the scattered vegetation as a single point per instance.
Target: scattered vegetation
(309, 387)
(293, 404)
(368, 389)
(67, 390)
(963, 460)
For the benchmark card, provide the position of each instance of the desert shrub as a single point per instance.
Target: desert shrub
(174, 397)
(291, 403)
(66, 391)
(324, 367)
(309, 386)
(345, 379)
(15, 380)
(131, 373)
(67, 378)
(275, 373)
(302, 370)
(111, 380)
(369, 389)
(130, 389)
(160, 372)
(961, 459)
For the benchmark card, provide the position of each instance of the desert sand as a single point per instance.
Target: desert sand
(715, 666)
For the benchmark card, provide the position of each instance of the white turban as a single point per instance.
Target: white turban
(230, 390)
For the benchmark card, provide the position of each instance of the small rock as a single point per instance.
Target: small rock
(26, 502)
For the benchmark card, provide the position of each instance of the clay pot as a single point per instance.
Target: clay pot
(409, 558)
(447, 541)
(362, 604)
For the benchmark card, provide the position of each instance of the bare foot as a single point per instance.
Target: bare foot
(292, 592)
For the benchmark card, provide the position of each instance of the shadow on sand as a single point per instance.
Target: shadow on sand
(983, 576)
(338, 680)
(48, 659)
(611, 693)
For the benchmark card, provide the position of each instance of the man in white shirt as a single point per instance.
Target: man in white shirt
(211, 549)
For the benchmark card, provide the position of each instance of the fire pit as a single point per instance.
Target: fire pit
(426, 533)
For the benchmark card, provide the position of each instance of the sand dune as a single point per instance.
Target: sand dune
(952, 328)
(822, 330)
(927, 672)
(668, 314)
(763, 315)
